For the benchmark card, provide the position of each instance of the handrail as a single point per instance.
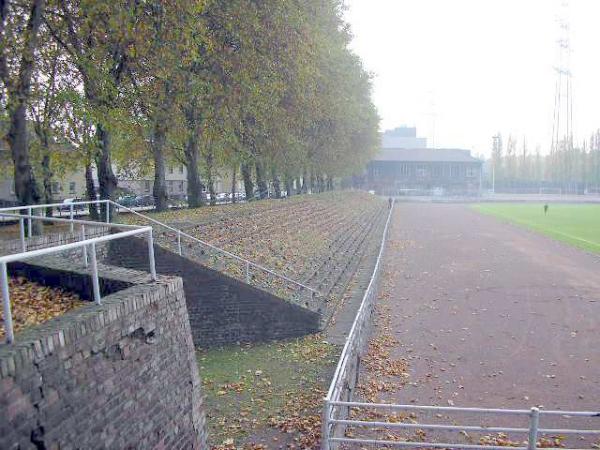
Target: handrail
(84, 243)
(72, 245)
(74, 221)
(51, 205)
(249, 264)
(351, 336)
(217, 249)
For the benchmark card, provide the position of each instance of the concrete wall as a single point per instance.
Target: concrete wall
(118, 375)
(222, 310)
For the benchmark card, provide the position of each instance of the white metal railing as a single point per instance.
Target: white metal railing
(337, 417)
(250, 268)
(88, 246)
(354, 343)
(71, 207)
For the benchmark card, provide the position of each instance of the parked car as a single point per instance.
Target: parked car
(67, 202)
(223, 197)
(144, 200)
(127, 200)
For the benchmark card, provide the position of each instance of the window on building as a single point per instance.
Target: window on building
(181, 186)
(455, 171)
(72, 187)
(147, 185)
(471, 172)
(171, 169)
(438, 171)
(170, 185)
(421, 171)
(181, 168)
(55, 187)
(403, 169)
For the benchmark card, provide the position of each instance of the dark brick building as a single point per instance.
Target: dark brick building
(424, 171)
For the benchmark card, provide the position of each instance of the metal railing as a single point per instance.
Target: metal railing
(531, 433)
(70, 207)
(249, 267)
(338, 405)
(249, 271)
(344, 377)
(87, 245)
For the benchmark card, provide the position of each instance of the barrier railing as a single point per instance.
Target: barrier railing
(70, 207)
(248, 270)
(340, 412)
(252, 273)
(87, 245)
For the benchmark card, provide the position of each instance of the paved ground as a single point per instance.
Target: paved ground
(489, 314)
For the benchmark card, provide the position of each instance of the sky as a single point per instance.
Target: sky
(464, 70)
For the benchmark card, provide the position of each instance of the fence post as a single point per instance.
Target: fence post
(29, 221)
(179, 242)
(534, 421)
(248, 272)
(85, 255)
(71, 216)
(8, 325)
(325, 425)
(22, 234)
(107, 211)
(151, 256)
(95, 281)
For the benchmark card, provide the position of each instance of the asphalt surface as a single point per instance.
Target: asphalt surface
(488, 314)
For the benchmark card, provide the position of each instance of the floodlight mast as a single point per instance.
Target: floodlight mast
(562, 119)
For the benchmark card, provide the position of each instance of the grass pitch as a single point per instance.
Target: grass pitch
(578, 225)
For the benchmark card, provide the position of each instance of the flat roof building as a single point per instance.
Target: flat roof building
(424, 171)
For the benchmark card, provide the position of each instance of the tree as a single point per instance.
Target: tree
(19, 33)
(100, 39)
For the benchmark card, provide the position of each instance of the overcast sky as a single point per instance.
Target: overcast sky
(483, 66)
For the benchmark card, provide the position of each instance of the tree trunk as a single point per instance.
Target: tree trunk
(90, 191)
(159, 191)
(47, 177)
(107, 181)
(288, 186)
(233, 185)
(25, 186)
(195, 188)
(321, 183)
(209, 176)
(248, 185)
(263, 190)
(304, 189)
(276, 184)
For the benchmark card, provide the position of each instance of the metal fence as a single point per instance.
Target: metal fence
(252, 273)
(341, 413)
(86, 244)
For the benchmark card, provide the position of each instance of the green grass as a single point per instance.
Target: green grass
(249, 389)
(578, 225)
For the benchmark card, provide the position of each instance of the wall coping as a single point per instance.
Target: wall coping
(33, 344)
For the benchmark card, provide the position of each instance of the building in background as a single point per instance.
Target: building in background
(402, 137)
(405, 166)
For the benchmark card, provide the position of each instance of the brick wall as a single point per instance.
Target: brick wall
(222, 310)
(118, 375)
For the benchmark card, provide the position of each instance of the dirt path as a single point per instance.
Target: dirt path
(488, 314)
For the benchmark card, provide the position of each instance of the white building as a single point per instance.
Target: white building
(402, 137)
